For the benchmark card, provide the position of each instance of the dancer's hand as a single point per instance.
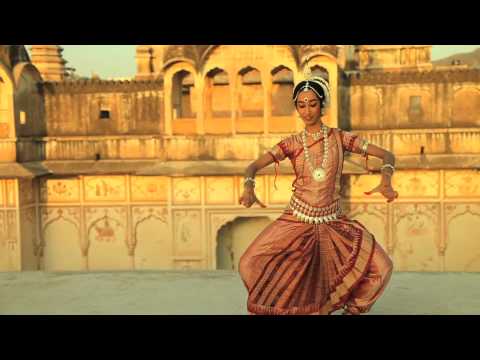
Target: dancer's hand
(249, 198)
(386, 190)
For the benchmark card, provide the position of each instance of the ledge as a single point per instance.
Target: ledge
(353, 165)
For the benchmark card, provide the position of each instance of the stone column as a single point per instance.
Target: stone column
(131, 254)
(8, 145)
(341, 56)
(449, 94)
(200, 89)
(297, 77)
(234, 83)
(267, 99)
(168, 105)
(333, 80)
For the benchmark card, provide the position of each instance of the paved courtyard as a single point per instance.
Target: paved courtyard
(209, 293)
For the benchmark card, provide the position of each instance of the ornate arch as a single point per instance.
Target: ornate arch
(171, 62)
(208, 50)
(308, 52)
(217, 220)
(168, 88)
(26, 68)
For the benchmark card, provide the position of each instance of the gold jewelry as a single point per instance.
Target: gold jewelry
(249, 179)
(313, 215)
(308, 76)
(388, 166)
(319, 174)
(315, 136)
(364, 147)
(307, 72)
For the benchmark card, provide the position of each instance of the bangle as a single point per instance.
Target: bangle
(249, 179)
(388, 166)
(364, 147)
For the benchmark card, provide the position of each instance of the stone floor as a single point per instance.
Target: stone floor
(209, 293)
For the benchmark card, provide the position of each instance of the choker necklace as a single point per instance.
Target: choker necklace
(315, 136)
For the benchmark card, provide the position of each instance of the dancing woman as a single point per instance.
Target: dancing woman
(313, 259)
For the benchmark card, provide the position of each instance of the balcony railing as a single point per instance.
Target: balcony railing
(465, 141)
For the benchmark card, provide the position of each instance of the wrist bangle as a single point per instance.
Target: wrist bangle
(249, 179)
(388, 166)
(364, 147)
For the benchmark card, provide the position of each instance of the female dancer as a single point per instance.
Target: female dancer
(313, 259)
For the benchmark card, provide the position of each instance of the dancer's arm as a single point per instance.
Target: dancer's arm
(385, 187)
(249, 198)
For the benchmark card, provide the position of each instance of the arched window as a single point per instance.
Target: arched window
(183, 105)
(282, 89)
(318, 70)
(218, 101)
(251, 93)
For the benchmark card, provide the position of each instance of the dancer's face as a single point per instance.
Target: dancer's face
(308, 107)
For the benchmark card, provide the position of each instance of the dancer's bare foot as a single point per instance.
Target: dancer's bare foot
(350, 311)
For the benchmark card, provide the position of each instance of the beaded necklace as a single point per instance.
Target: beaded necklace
(319, 174)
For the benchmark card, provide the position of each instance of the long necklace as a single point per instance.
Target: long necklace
(319, 174)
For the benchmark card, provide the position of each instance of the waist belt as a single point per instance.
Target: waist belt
(314, 215)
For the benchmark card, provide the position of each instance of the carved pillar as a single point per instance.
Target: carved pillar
(341, 56)
(297, 77)
(131, 254)
(168, 105)
(7, 117)
(443, 222)
(84, 245)
(234, 91)
(333, 76)
(448, 103)
(267, 99)
(200, 88)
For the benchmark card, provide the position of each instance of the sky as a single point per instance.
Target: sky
(117, 61)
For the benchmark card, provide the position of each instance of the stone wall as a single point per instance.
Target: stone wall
(100, 175)
(93, 108)
(415, 100)
(160, 222)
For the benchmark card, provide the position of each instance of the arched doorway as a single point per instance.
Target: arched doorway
(62, 251)
(234, 238)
